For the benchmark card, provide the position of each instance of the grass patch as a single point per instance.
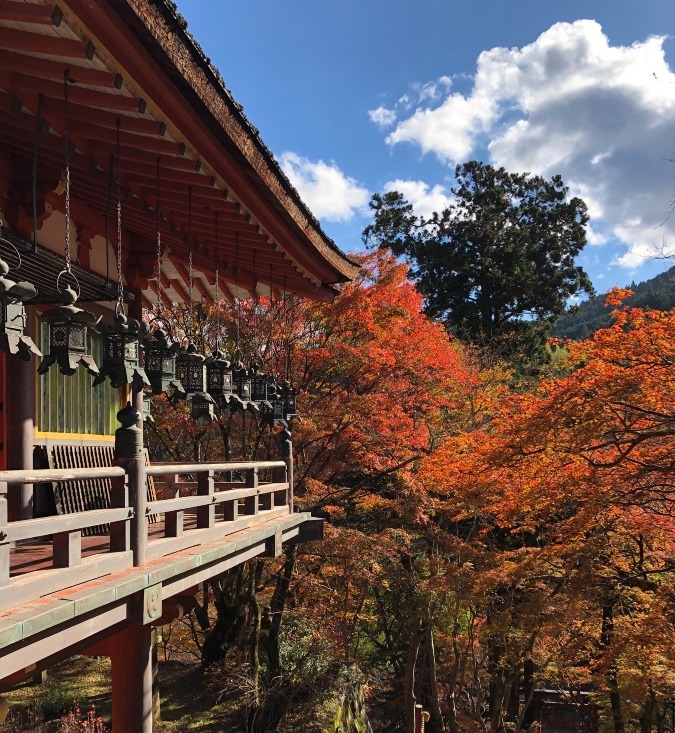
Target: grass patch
(188, 702)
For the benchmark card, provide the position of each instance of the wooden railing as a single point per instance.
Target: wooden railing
(200, 503)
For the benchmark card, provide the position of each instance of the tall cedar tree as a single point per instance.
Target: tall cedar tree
(498, 265)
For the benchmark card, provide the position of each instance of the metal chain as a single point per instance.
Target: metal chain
(159, 246)
(236, 270)
(255, 301)
(217, 284)
(190, 259)
(66, 133)
(120, 286)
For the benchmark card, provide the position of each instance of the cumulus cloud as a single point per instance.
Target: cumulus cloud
(328, 192)
(602, 116)
(425, 199)
(382, 116)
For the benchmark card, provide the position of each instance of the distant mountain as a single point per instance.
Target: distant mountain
(657, 294)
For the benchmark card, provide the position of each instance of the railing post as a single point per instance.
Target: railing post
(206, 515)
(286, 452)
(120, 535)
(251, 502)
(129, 455)
(4, 536)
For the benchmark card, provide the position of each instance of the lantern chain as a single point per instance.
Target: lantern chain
(217, 284)
(190, 275)
(120, 287)
(236, 269)
(66, 133)
(159, 245)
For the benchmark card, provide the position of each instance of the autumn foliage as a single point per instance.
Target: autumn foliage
(480, 543)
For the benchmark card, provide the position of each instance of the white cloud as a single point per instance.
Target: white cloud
(425, 200)
(382, 116)
(328, 192)
(602, 116)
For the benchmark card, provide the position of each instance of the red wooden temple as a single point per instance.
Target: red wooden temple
(147, 116)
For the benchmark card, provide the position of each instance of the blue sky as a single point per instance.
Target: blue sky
(361, 96)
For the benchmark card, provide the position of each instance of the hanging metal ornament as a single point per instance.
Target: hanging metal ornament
(288, 395)
(267, 407)
(191, 370)
(219, 380)
(260, 385)
(147, 409)
(159, 348)
(13, 314)
(190, 363)
(122, 338)
(160, 364)
(68, 323)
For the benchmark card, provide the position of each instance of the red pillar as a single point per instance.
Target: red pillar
(131, 662)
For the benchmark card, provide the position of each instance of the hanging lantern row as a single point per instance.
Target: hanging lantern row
(180, 373)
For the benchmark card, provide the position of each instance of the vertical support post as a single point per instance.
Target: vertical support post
(206, 515)
(131, 662)
(20, 407)
(67, 549)
(129, 455)
(120, 532)
(4, 538)
(251, 502)
(286, 452)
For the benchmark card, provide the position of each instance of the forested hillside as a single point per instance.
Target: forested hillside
(657, 294)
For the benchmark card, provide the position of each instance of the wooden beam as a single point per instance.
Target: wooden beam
(100, 133)
(42, 44)
(20, 12)
(178, 288)
(203, 291)
(48, 69)
(25, 83)
(175, 180)
(102, 118)
(140, 155)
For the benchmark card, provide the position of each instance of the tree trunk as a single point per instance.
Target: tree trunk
(648, 712)
(409, 698)
(436, 723)
(606, 635)
(277, 606)
(529, 713)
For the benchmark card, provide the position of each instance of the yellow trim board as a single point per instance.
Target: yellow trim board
(75, 436)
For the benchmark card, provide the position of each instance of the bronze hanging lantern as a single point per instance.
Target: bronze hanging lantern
(147, 409)
(202, 406)
(191, 369)
(160, 364)
(242, 385)
(122, 338)
(267, 406)
(13, 316)
(242, 381)
(258, 383)
(276, 398)
(288, 394)
(122, 353)
(220, 382)
(68, 323)
(68, 326)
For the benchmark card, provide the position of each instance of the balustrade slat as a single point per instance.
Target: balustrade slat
(27, 529)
